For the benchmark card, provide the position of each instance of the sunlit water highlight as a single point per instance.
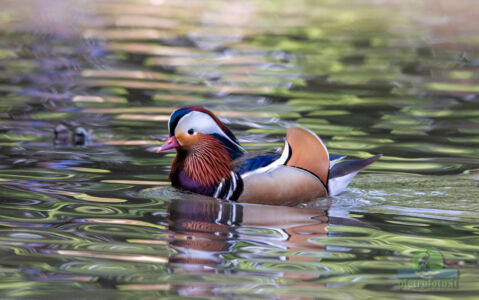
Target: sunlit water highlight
(86, 88)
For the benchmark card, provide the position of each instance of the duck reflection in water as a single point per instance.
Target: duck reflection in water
(208, 236)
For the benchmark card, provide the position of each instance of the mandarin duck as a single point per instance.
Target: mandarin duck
(211, 161)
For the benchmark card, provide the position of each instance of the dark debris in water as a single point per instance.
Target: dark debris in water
(77, 136)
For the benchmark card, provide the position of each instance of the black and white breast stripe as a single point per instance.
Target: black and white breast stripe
(230, 189)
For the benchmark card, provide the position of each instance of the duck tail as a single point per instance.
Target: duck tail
(307, 152)
(342, 173)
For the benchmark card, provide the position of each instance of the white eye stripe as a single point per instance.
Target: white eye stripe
(198, 121)
(201, 123)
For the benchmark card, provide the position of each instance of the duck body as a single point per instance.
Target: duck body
(210, 161)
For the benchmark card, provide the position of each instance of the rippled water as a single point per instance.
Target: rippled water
(87, 212)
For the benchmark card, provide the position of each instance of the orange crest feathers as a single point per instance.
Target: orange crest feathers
(308, 153)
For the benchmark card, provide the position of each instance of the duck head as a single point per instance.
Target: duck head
(190, 127)
(205, 146)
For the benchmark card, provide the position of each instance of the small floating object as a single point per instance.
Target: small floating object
(79, 136)
(61, 134)
(210, 161)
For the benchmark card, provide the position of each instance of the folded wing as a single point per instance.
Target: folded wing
(304, 168)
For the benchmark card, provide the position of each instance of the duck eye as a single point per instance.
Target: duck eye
(191, 131)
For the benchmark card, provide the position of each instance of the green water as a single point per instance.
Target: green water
(97, 219)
